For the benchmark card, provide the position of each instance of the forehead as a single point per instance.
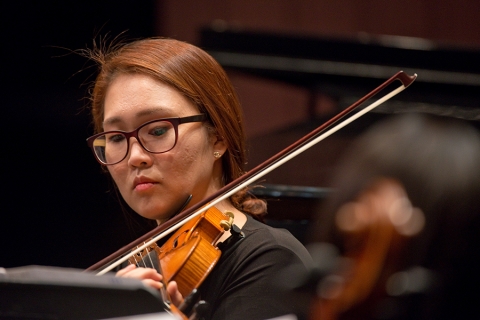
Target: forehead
(138, 97)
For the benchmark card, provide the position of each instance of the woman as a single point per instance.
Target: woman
(406, 212)
(156, 170)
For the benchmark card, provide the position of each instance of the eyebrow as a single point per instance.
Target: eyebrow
(140, 114)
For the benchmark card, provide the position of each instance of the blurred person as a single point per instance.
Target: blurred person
(399, 237)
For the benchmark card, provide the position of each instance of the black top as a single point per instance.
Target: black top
(243, 285)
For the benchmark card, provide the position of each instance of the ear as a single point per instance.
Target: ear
(219, 144)
(373, 237)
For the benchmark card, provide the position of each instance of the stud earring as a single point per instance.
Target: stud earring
(217, 154)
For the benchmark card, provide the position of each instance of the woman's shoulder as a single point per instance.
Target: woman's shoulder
(262, 237)
(255, 228)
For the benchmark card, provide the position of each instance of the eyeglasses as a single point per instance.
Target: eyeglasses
(156, 136)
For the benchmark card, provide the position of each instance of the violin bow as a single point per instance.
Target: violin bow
(304, 143)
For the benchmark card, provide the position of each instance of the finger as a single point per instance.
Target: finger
(152, 283)
(144, 273)
(141, 273)
(175, 295)
(123, 271)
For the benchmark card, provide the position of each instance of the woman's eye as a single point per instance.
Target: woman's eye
(115, 138)
(158, 131)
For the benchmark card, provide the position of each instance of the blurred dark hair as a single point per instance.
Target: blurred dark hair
(437, 161)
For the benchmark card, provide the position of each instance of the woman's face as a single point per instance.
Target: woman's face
(156, 185)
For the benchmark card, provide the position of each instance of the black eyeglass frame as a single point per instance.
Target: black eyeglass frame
(175, 121)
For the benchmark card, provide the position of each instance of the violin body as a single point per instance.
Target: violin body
(190, 253)
(190, 264)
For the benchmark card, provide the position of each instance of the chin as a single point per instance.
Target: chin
(152, 214)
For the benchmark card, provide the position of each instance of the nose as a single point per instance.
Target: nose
(137, 155)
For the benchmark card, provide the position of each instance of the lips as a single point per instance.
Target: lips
(143, 183)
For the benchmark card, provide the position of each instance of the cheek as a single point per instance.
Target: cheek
(118, 175)
(193, 150)
(192, 163)
(182, 164)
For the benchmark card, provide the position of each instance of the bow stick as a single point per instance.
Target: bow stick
(306, 142)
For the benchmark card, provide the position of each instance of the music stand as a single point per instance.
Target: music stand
(39, 292)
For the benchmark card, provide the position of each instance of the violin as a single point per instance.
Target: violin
(191, 252)
(189, 255)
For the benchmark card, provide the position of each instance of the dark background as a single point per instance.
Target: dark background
(55, 206)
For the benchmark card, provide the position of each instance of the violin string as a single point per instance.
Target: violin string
(150, 257)
(135, 258)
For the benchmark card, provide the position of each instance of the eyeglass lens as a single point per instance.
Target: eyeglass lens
(156, 137)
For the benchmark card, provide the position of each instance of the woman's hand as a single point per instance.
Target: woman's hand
(152, 278)
(149, 276)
